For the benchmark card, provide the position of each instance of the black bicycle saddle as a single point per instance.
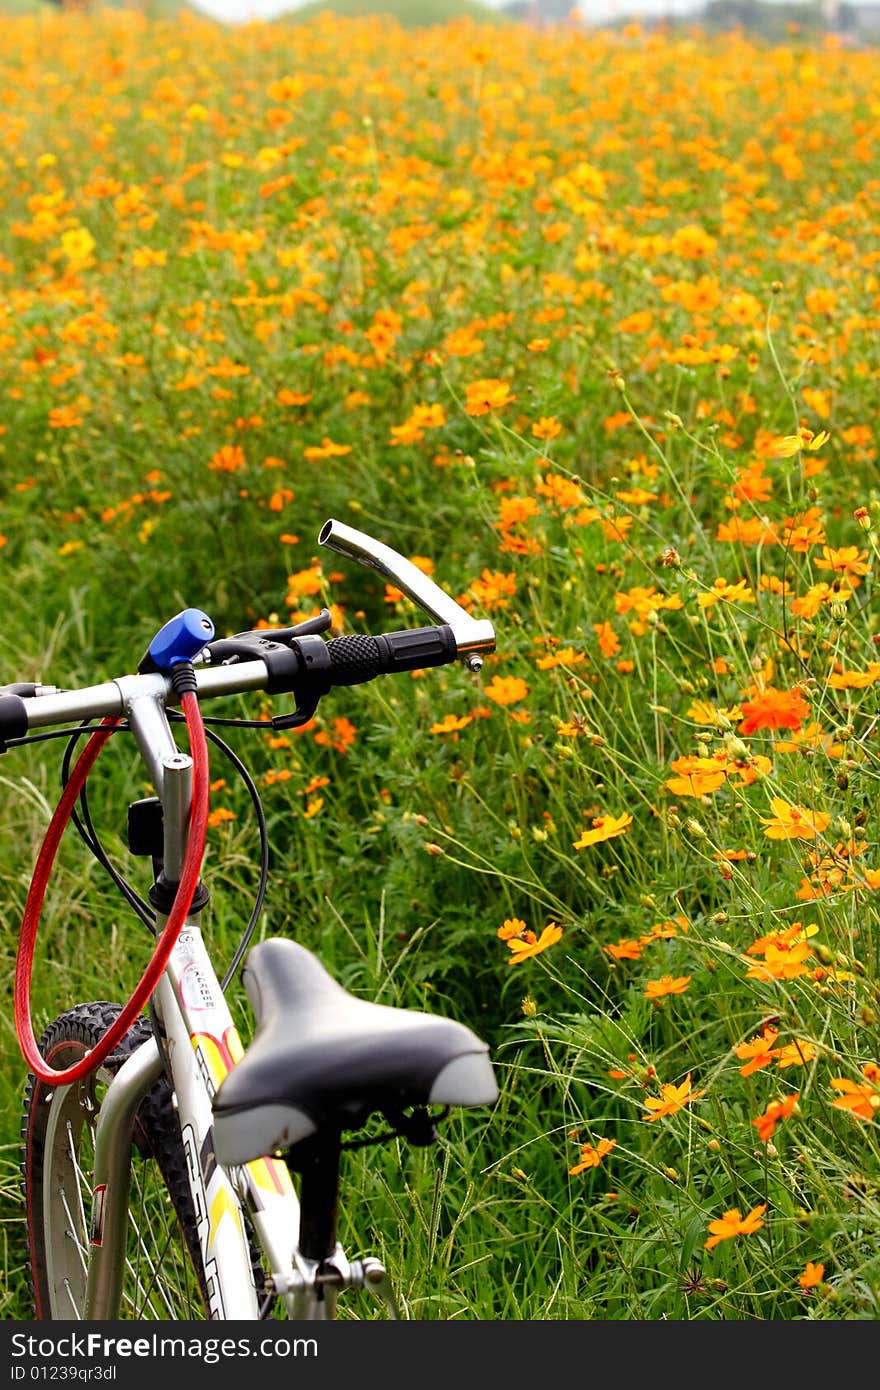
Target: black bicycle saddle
(322, 1058)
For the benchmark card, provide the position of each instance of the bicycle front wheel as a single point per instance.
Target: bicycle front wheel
(164, 1276)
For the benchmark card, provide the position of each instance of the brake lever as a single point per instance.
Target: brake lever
(472, 635)
(319, 623)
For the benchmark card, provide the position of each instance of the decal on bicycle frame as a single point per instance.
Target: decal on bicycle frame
(213, 1287)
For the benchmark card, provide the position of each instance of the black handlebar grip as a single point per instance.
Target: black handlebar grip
(13, 718)
(356, 659)
(353, 660)
(417, 647)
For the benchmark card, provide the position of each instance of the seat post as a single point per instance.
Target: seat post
(317, 1158)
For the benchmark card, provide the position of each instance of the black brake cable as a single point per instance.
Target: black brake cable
(85, 827)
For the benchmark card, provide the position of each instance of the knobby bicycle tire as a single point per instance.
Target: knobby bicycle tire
(164, 1275)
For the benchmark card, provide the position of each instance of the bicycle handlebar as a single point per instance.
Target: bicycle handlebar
(183, 665)
(308, 668)
(278, 660)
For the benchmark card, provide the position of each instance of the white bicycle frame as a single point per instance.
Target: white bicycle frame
(195, 1040)
(200, 1045)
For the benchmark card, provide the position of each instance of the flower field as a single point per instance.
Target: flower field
(586, 324)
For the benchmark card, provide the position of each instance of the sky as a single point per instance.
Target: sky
(240, 11)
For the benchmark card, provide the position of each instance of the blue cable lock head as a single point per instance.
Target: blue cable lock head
(181, 639)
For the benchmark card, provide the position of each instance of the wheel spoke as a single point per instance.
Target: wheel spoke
(161, 1275)
(153, 1265)
(83, 1183)
(71, 1233)
(69, 1292)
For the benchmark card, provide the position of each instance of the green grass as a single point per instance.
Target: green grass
(565, 318)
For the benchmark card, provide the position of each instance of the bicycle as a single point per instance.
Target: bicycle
(170, 1172)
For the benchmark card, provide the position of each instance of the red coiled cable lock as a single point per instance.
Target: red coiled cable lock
(165, 943)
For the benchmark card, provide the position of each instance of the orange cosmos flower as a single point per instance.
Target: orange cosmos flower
(462, 342)
(512, 926)
(813, 1274)
(777, 1110)
(811, 736)
(753, 530)
(451, 724)
(774, 709)
(228, 459)
(782, 939)
(733, 1224)
(546, 428)
(742, 772)
(664, 931)
(758, 1053)
(565, 656)
(560, 491)
(667, 984)
(855, 680)
(781, 963)
(493, 589)
(861, 1100)
(315, 785)
(304, 583)
(723, 592)
(849, 560)
(590, 1157)
(790, 822)
(521, 947)
(604, 828)
(489, 393)
(671, 1100)
(795, 1054)
(63, 417)
(506, 690)
(325, 450)
(624, 950)
(608, 642)
(341, 738)
(696, 776)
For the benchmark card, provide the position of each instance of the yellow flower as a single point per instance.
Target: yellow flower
(78, 245)
(791, 444)
(604, 828)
